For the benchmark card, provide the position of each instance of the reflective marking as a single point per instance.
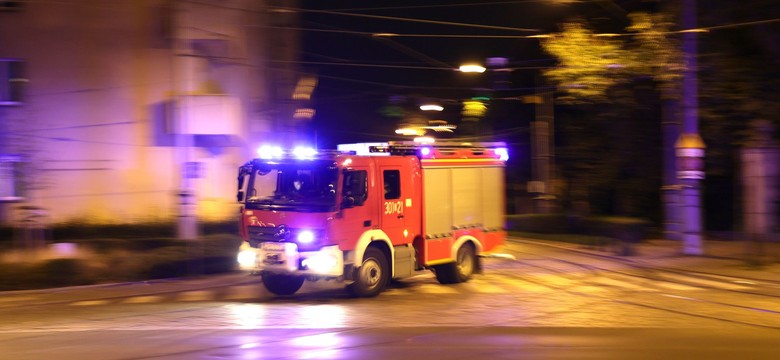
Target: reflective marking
(90, 302)
(143, 299)
(197, 295)
(708, 283)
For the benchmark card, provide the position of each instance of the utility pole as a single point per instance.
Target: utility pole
(187, 225)
(690, 147)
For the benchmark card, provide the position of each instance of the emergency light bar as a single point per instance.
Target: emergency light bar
(268, 152)
(438, 149)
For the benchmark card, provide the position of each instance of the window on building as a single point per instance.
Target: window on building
(10, 178)
(11, 81)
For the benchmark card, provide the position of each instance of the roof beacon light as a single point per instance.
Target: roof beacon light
(502, 152)
(269, 152)
(301, 152)
(425, 151)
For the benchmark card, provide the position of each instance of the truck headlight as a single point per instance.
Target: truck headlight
(320, 263)
(247, 258)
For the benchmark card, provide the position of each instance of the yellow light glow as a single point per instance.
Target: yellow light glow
(304, 88)
(472, 108)
(410, 131)
(472, 68)
(424, 140)
(304, 113)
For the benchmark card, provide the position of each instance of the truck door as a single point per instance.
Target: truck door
(392, 204)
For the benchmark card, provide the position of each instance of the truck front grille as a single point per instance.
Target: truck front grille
(258, 234)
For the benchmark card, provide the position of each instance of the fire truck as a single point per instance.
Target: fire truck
(368, 213)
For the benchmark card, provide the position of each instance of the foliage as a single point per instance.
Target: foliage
(589, 65)
(561, 226)
(117, 260)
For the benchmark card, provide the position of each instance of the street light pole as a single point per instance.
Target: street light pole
(690, 147)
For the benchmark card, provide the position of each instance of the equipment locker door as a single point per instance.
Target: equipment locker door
(392, 204)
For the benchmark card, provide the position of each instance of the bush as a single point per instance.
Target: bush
(118, 260)
(62, 272)
(625, 229)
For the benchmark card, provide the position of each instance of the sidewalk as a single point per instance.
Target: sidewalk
(729, 258)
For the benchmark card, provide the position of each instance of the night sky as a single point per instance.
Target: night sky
(359, 74)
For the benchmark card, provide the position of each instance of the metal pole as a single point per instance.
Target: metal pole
(187, 226)
(691, 197)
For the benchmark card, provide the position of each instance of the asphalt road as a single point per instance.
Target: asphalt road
(549, 303)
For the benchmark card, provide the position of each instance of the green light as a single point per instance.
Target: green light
(481, 98)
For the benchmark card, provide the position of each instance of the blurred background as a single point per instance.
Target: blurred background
(138, 112)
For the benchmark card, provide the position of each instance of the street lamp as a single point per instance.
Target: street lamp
(472, 68)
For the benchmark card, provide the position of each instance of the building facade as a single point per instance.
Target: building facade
(139, 111)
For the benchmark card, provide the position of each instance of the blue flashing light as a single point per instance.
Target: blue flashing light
(301, 152)
(425, 151)
(502, 152)
(305, 237)
(269, 152)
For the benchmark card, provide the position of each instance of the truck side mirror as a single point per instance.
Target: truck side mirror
(240, 196)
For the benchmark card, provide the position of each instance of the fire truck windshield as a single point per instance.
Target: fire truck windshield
(292, 186)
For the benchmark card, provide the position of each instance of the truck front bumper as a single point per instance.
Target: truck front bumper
(284, 258)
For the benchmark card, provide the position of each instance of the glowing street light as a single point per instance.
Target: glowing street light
(431, 107)
(472, 68)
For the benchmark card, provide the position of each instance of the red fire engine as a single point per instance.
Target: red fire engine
(368, 213)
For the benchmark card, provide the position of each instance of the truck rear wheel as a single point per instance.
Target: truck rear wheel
(372, 275)
(459, 271)
(280, 284)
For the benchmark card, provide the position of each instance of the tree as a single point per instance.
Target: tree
(631, 74)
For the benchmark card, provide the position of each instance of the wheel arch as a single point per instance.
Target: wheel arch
(377, 238)
(465, 239)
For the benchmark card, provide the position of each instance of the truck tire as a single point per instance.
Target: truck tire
(461, 270)
(372, 276)
(280, 284)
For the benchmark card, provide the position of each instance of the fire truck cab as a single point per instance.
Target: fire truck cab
(368, 213)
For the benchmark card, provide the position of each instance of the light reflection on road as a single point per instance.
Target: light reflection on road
(259, 316)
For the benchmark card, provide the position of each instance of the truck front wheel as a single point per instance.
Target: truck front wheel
(280, 284)
(372, 275)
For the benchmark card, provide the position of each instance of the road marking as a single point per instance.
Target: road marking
(619, 283)
(143, 299)
(523, 286)
(484, 287)
(437, 289)
(707, 283)
(90, 302)
(196, 295)
(673, 286)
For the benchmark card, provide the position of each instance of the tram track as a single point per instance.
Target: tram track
(709, 306)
